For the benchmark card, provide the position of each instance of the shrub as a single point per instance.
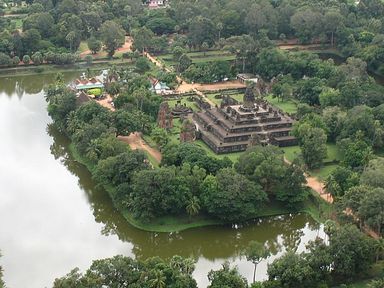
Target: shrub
(37, 58)
(26, 59)
(5, 60)
(88, 59)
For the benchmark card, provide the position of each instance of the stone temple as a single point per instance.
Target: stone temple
(233, 127)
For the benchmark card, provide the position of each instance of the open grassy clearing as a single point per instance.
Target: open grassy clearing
(184, 100)
(83, 46)
(200, 57)
(288, 106)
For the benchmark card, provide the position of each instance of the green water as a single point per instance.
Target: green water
(53, 218)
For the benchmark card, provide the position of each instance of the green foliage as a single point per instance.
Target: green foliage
(356, 153)
(163, 191)
(352, 253)
(340, 180)
(292, 271)
(142, 64)
(120, 169)
(194, 155)
(226, 277)
(231, 196)
(61, 101)
(373, 174)
(112, 35)
(94, 45)
(121, 271)
(26, 59)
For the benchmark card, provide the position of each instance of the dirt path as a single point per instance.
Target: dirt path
(107, 103)
(316, 185)
(125, 48)
(135, 141)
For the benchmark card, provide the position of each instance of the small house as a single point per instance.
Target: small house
(158, 87)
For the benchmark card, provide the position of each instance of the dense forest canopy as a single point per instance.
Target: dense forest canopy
(53, 27)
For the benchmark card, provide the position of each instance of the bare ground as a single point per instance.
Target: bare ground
(135, 141)
(125, 48)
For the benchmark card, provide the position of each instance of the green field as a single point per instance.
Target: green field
(288, 106)
(200, 57)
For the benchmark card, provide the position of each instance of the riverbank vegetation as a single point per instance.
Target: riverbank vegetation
(348, 256)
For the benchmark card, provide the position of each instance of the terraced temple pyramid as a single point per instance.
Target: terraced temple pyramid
(233, 127)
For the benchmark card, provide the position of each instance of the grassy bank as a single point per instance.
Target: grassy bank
(314, 206)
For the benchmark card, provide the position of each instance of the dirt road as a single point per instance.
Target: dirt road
(135, 141)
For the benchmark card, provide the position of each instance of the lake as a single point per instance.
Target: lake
(53, 218)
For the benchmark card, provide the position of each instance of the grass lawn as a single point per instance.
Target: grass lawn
(184, 100)
(211, 96)
(322, 173)
(200, 57)
(233, 156)
(287, 106)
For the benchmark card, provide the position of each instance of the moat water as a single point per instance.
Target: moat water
(53, 218)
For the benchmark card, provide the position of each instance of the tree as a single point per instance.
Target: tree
(231, 196)
(201, 30)
(307, 24)
(94, 45)
(226, 277)
(329, 97)
(193, 206)
(158, 192)
(142, 64)
(205, 47)
(371, 210)
(356, 153)
(160, 137)
(177, 52)
(254, 253)
(373, 174)
(112, 35)
(37, 58)
(264, 165)
(340, 180)
(312, 143)
(119, 169)
(184, 63)
(333, 21)
(292, 271)
(88, 59)
(352, 252)
(61, 101)
(26, 59)
(158, 281)
(126, 122)
(376, 283)
(292, 190)
(142, 38)
(71, 38)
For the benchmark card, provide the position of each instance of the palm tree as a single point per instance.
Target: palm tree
(193, 206)
(158, 281)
